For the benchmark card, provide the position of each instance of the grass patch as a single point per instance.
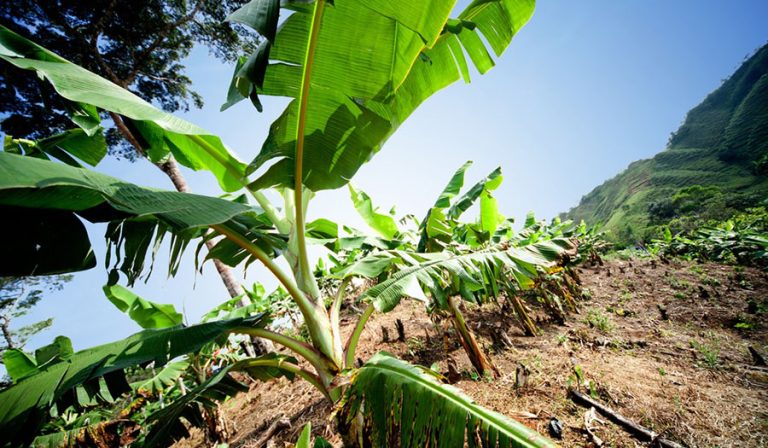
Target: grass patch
(678, 284)
(599, 320)
(708, 281)
(625, 297)
(708, 354)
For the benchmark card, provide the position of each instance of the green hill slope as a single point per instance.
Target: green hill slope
(715, 165)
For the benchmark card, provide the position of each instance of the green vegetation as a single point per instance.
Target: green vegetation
(708, 353)
(334, 124)
(599, 320)
(18, 295)
(713, 168)
(354, 71)
(742, 240)
(140, 45)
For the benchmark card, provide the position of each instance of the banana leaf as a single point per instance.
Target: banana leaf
(61, 194)
(374, 63)
(24, 407)
(408, 404)
(161, 133)
(145, 313)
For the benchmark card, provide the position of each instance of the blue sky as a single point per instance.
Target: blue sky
(586, 88)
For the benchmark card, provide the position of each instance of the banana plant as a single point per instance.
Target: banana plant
(200, 406)
(439, 279)
(355, 70)
(743, 240)
(385, 380)
(94, 374)
(511, 263)
(441, 224)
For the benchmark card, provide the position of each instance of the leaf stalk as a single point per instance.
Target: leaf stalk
(315, 317)
(306, 78)
(288, 367)
(354, 338)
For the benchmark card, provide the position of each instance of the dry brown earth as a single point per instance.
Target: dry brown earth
(657, 342)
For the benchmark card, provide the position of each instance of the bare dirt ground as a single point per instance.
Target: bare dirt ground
(663, 344)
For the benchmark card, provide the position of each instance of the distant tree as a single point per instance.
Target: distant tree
(760, 167)
(139, 45)
(18, 295)
(661, 211)
(695, 198)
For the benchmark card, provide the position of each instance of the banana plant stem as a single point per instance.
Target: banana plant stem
(288, 367)
(468, 341)
(306, 351)
(315, 317)
(335, 312)
(336, 306)
(309, 58)
(304, 304)
(354, 338)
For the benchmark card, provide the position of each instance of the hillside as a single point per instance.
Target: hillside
(648, 341)
(715, 164)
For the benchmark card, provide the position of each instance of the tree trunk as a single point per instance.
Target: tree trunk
(171, 169)
(7, 333)
(468, 341)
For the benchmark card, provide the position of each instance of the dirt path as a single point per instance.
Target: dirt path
(666, 345)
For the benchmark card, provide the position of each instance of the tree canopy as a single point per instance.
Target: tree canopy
(139, 45)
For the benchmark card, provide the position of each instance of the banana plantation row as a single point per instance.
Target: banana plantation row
(348, 95)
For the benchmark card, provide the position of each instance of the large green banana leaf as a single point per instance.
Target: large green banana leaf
(375, 62)
(326, 232)
(19, 364)
(162, 380)
(438, 226)
(34, 183)
(473, 273)
(147, 314)
(28, 183)
(384, 224)
(453, 187)
(44, 242)
(403, 402)
(490, 182)
(25, 405)
(160, 132)
(167, 424)
(490, 217)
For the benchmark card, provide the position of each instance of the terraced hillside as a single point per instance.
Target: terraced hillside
(715, 164)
